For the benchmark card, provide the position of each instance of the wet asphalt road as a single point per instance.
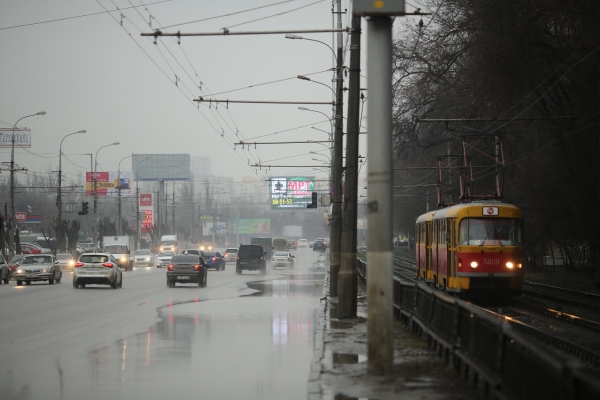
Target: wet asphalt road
(148, 341)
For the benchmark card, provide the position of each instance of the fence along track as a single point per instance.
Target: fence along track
(493, 348)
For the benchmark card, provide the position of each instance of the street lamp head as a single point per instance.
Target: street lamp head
(304, 78)
(303, 109)
(292, 36)
(41, 113)
(115, 143)
(81, 131)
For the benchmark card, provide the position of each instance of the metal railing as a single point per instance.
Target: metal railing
(487, 347)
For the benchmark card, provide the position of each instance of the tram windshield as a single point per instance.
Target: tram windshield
(490, 231)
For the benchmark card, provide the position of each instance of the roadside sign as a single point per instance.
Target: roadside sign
(21, 216)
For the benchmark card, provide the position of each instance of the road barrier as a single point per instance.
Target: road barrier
(483, 346)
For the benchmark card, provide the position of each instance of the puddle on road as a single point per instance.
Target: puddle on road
(251, 347)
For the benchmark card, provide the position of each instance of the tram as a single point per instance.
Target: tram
(475, 247)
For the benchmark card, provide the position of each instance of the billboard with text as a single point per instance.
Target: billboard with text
(108, 183)
(248, 226)
(22, 137)
(291, 192)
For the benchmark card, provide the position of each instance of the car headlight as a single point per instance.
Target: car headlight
(46, 270)
(474, 264)
(123, 258)
(71, 262)
(509, 265)
(19, 271)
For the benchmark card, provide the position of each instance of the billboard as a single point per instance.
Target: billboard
(291, 192)
(22, 137)
(146, 222)
(247, 226)
(154, 167)
(108, 184)
(145, 199)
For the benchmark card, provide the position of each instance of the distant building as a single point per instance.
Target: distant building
(200, 166)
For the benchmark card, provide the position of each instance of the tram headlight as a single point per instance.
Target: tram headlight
(519, 265)
(509, 265)
(473, 264)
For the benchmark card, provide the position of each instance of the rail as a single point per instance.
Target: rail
(493, 348)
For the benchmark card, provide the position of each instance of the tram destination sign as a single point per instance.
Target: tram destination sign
(291, 192)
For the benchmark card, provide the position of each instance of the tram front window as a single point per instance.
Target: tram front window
(480, 231)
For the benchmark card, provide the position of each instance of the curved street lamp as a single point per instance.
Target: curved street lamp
(96, 195)
(11, 221)
(119, 227)
(60, 236)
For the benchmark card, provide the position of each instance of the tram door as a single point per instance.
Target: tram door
(451, 253)
(429, 274)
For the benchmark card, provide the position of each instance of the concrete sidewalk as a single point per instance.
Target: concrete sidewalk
(339, 365)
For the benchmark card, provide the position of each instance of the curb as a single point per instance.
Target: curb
(314, 378)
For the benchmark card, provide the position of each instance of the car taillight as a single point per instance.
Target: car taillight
(79, 264)
(214, 258)
(197, 267)
(107, 265)
(238, 257)
(170, 267)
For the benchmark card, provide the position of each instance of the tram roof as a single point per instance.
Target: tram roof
(471, 209)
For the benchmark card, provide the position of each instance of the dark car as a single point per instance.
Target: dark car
(252, 258)
(4, 271)
(187, 268)
(214, 259)
(319, 244)
(38, 267)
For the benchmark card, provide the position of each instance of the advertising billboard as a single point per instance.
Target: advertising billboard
(146, 222)
(108, 184)
(145, 199)
(247, 226)
(291, 192)
(154, 167)
(22, 137)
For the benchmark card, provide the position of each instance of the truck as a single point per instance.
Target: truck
(265, 242)
(292, 231)
(169, 242)
(121, 248)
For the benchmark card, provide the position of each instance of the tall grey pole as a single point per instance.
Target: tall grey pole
(96, 196)
(336, 214)
(137, 218)
(347, 279)
(380, 334)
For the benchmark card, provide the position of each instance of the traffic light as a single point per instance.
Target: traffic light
(84, 208)
(314, 201)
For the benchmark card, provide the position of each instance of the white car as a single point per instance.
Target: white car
(230, 255)
(143, 258)
(164, 258)
(97, 269)
(65, 261)
(302, 243)
(282, 259)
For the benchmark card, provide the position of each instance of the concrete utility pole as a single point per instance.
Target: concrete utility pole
(119, 227)
(336, 214)
(11, 219)
(380, 332)
(347, 279)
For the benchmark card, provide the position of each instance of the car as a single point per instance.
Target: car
(292, 245)
(319, 244)
(302, 243)
(282, 259)
(97, 269)
(66, 261)
(187, 268)
(230, 255)
(310, 244)
(143, 258)
(251, 257)
(164, 258)
(14, 263)
(30, 248)
(206, 246)
(4, 271)
(214, 259)
(37, 268)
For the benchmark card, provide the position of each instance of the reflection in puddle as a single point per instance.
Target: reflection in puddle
(251, 347)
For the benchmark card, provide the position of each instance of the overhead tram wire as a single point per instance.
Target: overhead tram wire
(167, 76)
(276, 15)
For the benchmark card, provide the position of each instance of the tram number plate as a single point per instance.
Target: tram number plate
(490, 275)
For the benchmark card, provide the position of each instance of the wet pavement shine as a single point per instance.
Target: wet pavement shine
(251, 342)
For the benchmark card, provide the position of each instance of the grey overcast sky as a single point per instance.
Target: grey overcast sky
(92, 73)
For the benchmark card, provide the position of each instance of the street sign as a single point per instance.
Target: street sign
(21, 216)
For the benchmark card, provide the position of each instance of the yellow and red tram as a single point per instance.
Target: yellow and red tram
(471, 247)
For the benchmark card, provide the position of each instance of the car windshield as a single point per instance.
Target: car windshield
(93, 258)
(280, 254)
(302, 240)
(210, 254)
(166, 253)
(37, 260)
(231, 251)
(490, 231)
(250, 249)
(142, 252)
(113, 248)
(185, 259)
(168, 243)
(16, 259)
(64, 256)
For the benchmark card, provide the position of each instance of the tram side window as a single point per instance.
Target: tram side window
(478, 231)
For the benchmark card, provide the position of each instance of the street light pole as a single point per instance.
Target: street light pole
(119, 227)
(96, 196)
(137, 200)
(60, 236)
(11, 220)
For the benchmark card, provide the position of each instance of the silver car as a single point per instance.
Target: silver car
(143, 258)
(66, 261)
(38, 267)
(97, 269)
(164, 258)
(282, 259)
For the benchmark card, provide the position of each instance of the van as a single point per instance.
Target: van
(279, 244)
